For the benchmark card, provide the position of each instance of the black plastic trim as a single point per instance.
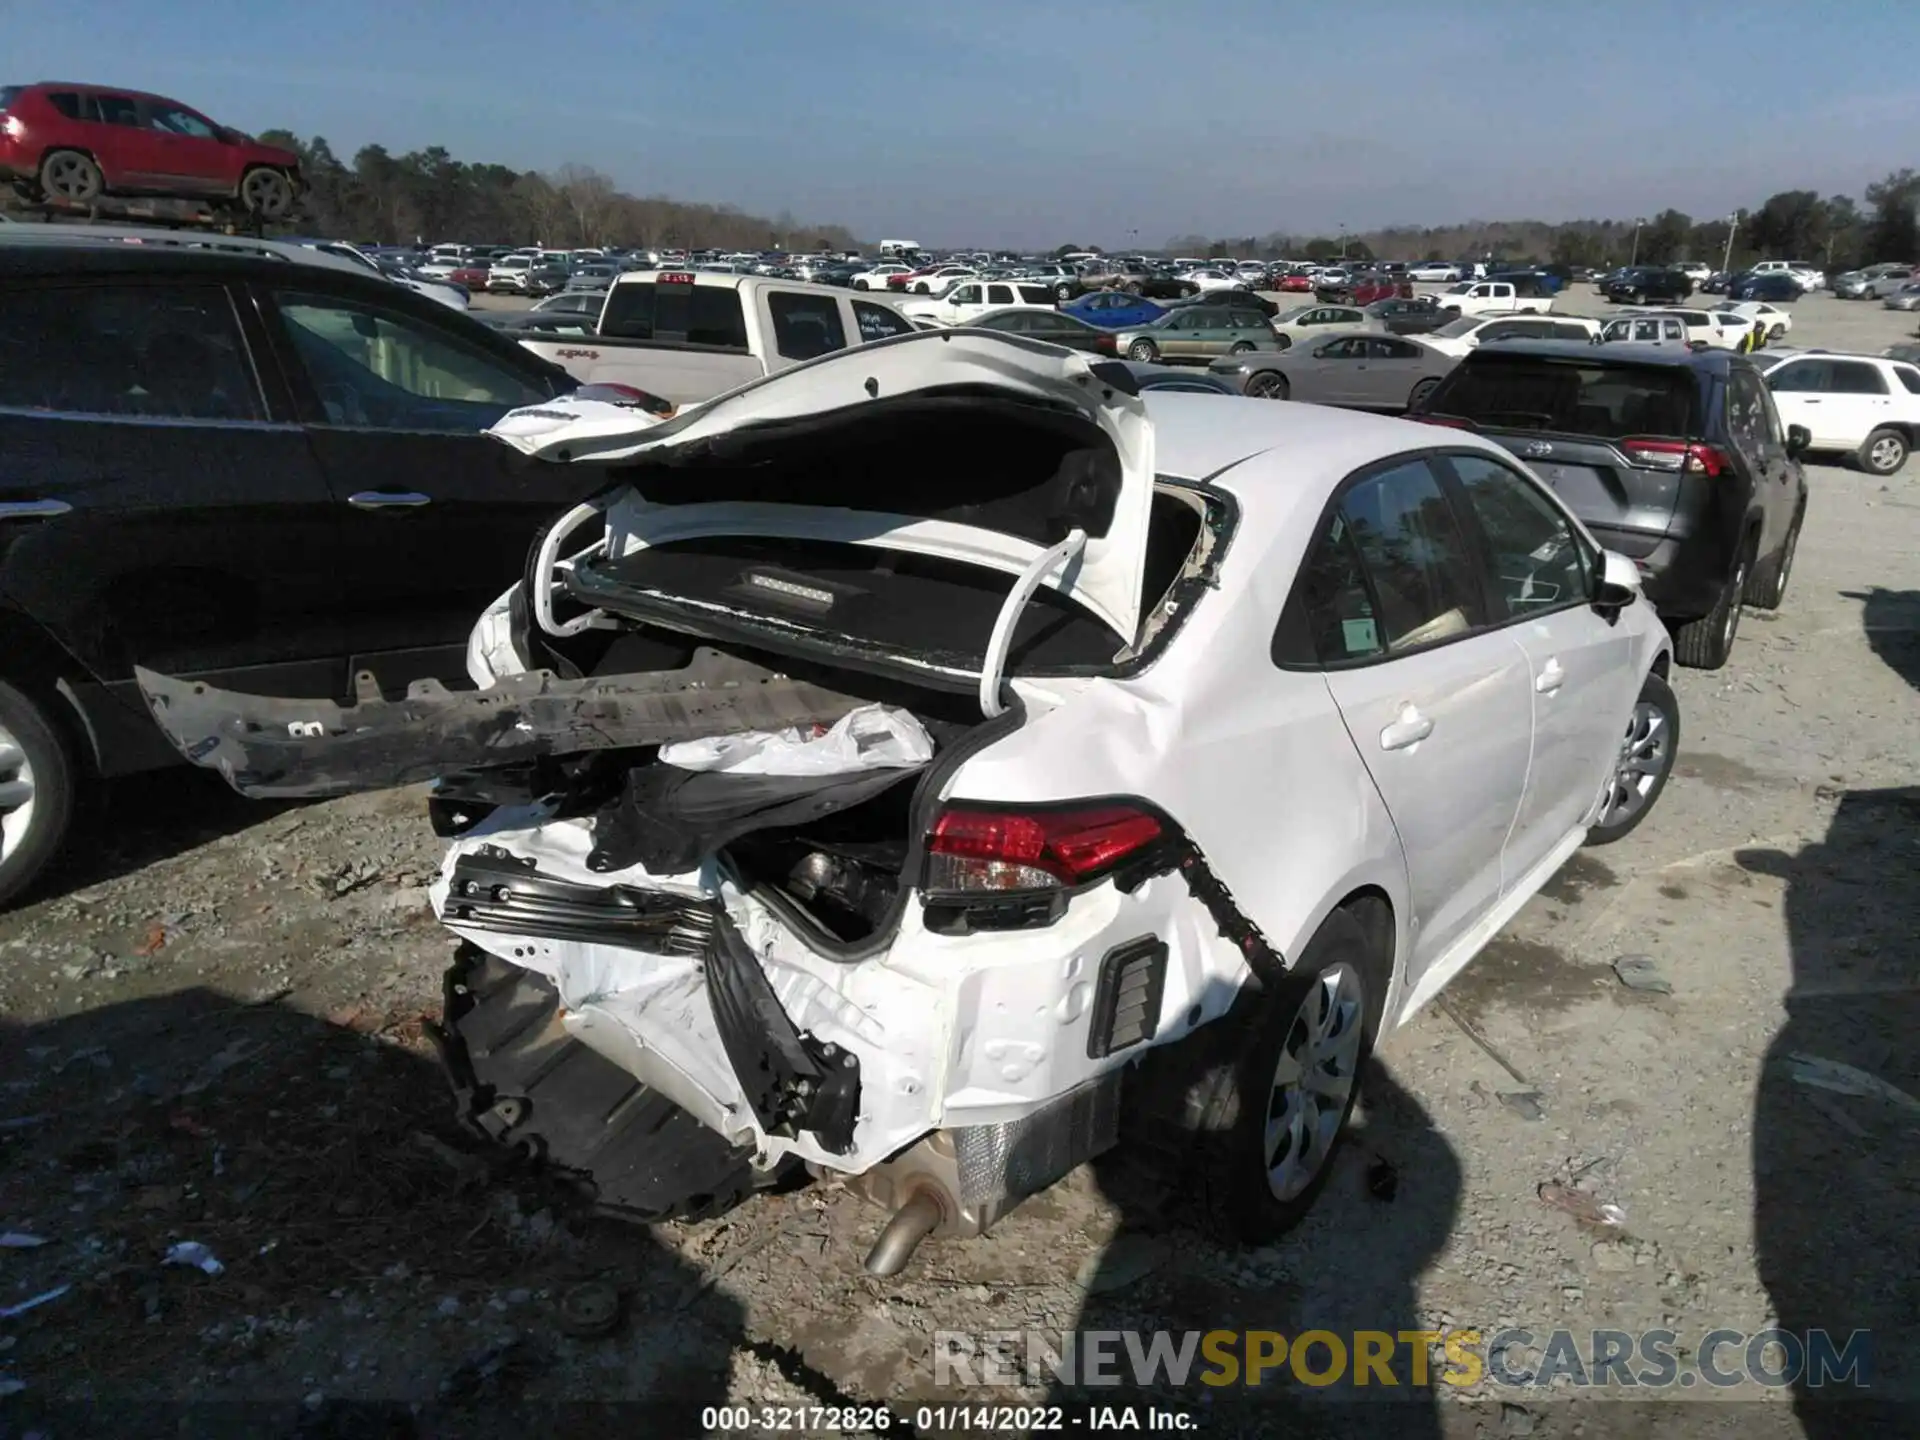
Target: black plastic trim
(1126, 1002)
(494, 890)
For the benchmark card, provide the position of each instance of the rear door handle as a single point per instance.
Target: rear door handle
(388, 500)
(33, 509)
(1550, 679)
(1410, 729)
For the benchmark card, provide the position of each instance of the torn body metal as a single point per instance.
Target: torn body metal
(268, 747)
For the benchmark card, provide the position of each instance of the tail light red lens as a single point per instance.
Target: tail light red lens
(1676, 455)
(1106, 345)
(973, 848)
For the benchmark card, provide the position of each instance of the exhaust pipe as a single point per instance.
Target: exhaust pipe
(911, 1224)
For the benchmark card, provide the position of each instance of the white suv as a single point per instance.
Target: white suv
(1865, 404)
(1148, 757)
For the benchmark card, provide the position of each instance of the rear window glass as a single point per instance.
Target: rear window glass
(1569, 397)
(877, 322)
(66, 102)
(8, 94)
(1909, 378)
(675, 313)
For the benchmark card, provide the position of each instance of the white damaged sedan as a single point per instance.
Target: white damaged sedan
(926, 763)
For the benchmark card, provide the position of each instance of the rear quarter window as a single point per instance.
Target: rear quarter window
(877, 322)
(677, 314)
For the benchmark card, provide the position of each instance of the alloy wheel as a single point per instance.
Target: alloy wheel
(1731, 625)
(1644, 756)
(1313, 1080)
(16, 794)
(71, 176)
(266, 193)
(1267, 386)
(1885, 455)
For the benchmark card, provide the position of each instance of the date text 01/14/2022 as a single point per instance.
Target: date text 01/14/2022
(946, 1419)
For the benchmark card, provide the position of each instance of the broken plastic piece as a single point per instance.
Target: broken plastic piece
(874, 737)
(192, 1252)
(1642, 972)
(1583, 1207)
(7, 1312)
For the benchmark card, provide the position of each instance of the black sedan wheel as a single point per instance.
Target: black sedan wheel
(1421, 392)
(1268, 385)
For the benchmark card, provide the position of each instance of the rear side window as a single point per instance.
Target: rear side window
(162, 352)
(1569, 397)
(999, 295)
(676, 313)
(1908, 377)
(1392, 572)
(1571, 332)
(117, 109)
(877, 322)
(805, 327)
(1852, 377)
(1035, 294)
(66, 102)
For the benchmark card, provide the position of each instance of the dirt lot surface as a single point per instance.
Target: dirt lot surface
(213, 1033)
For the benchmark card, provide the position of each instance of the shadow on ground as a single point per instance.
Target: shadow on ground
(130, 823)
(377, 1279)
(1837, 1111)
(1352, 1265)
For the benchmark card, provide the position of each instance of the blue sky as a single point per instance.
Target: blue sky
(1033, 123)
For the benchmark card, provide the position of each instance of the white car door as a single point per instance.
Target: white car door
(1840, 402)
(964, 300)
(1439, 706)
(1542, 575)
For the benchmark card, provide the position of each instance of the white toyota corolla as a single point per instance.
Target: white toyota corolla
(933, 760)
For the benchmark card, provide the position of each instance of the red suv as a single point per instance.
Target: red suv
(75, 143)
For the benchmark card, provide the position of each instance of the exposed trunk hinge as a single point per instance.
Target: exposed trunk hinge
(993, 666)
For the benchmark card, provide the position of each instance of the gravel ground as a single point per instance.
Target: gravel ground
(213, 1032)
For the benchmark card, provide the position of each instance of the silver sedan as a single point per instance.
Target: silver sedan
(1365, 370)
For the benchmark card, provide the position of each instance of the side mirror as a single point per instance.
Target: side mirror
(1619, 583)
(1799, 440)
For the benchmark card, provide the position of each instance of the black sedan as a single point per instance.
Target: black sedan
(1242, 300)
(1640, 283)
(1048, 325)
(1418, 316)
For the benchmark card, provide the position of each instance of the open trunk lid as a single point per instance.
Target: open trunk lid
(704, 473)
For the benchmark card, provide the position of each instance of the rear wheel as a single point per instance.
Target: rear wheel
(1267, 385)
(1421, 392)
(1143, 350)
(266, 194)
(1778, 332)
(1272, 1111)
(1884, 453)
(1063, 293)
(1645, 761)
(1240, 347)
(1705, 644)
(72, 176)
(37, 779)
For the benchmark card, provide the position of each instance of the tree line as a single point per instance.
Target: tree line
(427, 196)
(1838, 232)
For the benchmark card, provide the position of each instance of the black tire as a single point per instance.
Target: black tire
(1705, 644)
(38, 755)
(1656, 699)
(1285, 342)
(1267, 385)
(1421, 391)
(922, 288)
(266, 193)
(1063, 293)
(1143, 351)
(1884, 452)
(1777, 333)
(1767, 590)
(861, 285)
(71, 175)
(1230, 1101)
(1240, 347)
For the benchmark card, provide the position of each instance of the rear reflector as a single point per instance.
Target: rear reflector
(1676, 455)
(674, 277)
(988, 849)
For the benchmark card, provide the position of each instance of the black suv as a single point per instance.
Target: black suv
(242, 466)
(1638, 284)
(1675, 459)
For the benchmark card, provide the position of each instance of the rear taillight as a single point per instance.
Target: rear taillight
(1106, 344)
(981, 848)
(13, 127)
(1676, 455)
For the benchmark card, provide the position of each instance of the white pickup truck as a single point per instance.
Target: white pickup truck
(687, 335)
(1493, 297)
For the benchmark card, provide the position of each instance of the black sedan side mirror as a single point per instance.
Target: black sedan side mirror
(1799, 440)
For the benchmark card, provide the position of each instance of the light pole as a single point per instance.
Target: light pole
(1726, 259)
(1133, 239)
(1636, 242)
(1343, 242)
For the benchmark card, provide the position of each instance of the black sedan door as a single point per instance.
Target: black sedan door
(157, 506)
(436, 517)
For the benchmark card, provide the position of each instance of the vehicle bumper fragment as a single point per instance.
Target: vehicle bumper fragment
(269, 747)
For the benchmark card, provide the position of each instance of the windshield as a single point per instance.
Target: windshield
(1569, 397)
(1462, 288)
